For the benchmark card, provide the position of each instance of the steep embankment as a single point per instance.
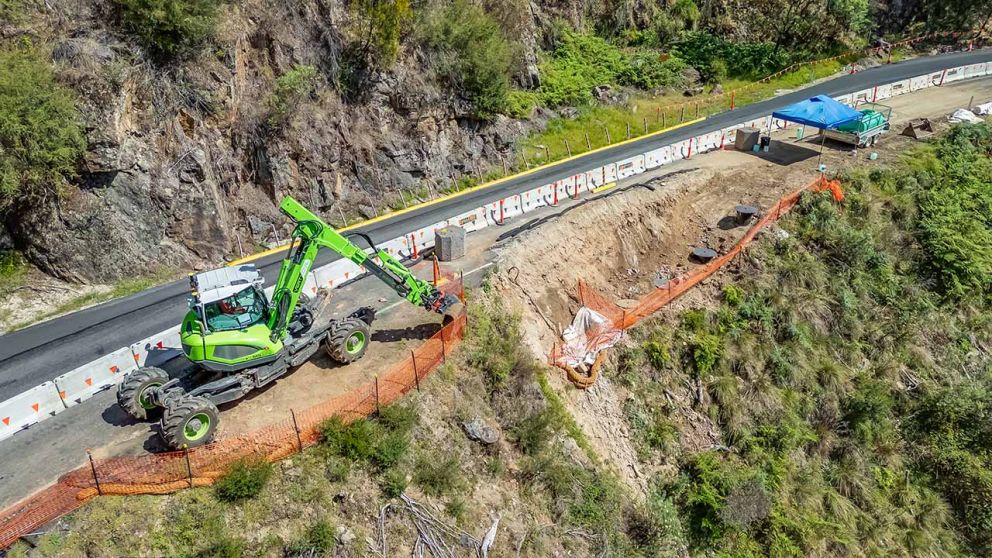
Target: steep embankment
(827, 396)
(818, 397)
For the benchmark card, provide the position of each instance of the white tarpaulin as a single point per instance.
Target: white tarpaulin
(963, 115)
(590, 333)
(984, 109)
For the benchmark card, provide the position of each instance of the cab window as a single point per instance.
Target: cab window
(238, 311)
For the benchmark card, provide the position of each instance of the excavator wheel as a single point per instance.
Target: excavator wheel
(132, 394)
(189, 423)
(347, 340)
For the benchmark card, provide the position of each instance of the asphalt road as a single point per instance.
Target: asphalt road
(46, 350)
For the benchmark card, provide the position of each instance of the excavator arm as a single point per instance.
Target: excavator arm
(309, 236)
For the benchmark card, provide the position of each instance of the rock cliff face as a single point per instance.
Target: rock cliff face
(183, 165)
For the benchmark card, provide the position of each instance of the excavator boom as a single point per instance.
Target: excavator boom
(312, 233)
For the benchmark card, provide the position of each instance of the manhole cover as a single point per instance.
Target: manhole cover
(703, 255)
(744, 213)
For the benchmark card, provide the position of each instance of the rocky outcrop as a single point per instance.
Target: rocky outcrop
(183, 164)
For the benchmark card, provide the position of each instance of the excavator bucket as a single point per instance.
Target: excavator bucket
(918, 128)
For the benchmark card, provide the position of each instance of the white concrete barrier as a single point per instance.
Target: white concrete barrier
(80, 384)
(157, 349)
(30, 407)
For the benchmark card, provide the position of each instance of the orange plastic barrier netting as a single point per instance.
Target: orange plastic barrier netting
(163, 473)
(624, 319)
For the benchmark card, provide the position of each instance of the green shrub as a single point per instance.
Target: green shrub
(733, 295)
(493, 344)
(706, 351)
(40, 136)
(955, 205)
(318, 540)
(245, 480)
(533, 432)
(717, 58)
(169, 27)
(290, 90)
(356, 441)
(437, 475)
(394, 483)
(379, 25)
(12, 268)
(381, 442)
(581, 61)
(657, 353)
(390, 450)
(472, 52)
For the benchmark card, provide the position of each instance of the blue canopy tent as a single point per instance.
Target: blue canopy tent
(820, 112)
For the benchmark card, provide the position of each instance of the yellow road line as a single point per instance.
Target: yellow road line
(453, 195)
(604, 187)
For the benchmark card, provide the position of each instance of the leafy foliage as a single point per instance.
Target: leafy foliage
(381, 24)
(40, 136)
(290, 90)
(955, 203)
(472, 52)
(716, 57)
(169, 27)
(581, 61)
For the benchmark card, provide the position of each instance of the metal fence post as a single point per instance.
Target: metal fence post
(588, 143)
(377, 394)
(96, 479)
(296, 428)
(189, 467)
(444, 349)
(416, 373)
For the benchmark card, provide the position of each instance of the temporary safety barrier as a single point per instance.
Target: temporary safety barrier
(168, 472)
(157, 349)
(80, 384)
(29, 407)
(623, 319)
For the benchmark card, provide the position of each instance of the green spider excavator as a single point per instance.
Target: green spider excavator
(241, 340)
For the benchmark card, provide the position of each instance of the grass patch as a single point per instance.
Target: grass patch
(13, 268)
(557, 413)
(600, 126)
(381, 444)
(126, 287)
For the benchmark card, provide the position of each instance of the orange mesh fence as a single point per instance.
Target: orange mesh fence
(163, 473)
(623, 319)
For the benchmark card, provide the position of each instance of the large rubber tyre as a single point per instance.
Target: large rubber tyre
(348, 340)
(132, 393)
(189, 423)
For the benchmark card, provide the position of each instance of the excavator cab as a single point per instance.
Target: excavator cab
(226, 327)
